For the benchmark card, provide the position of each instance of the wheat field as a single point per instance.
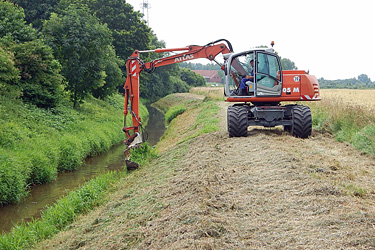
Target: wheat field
(361, 97)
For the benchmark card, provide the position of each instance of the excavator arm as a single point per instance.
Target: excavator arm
(135, 66)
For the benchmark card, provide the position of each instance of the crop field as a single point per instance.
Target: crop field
(363, 97)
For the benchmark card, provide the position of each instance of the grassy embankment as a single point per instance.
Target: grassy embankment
(346, 113)
(36, 144)
(199, 117)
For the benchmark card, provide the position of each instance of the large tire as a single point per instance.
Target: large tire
(237, 121)
(301, 121)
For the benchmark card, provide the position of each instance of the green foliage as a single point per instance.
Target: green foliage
(41, 82)
(128, 30)
(114, 77)
(12, 23)
(37, 11)
(59, 215)
(179, 86)
(200, 66)
(9, 74)
(173, 112)
(287, 64)
(191, 78)
(35, 143)
(81, 44)
(30, 63)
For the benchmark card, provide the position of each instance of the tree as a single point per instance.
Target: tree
(287, 64)
(364, 78)
(191, 78)
(114, 76)
(9, 74)
(36, 11)
(39, 78)
(13, 24)
(129, 31)
(41, 82)
(81, 43)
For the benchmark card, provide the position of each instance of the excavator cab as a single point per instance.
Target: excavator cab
(253, 73)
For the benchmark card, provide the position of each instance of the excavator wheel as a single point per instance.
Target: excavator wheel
(237, 121)
(301, 122)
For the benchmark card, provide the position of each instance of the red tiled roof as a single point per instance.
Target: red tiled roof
(210, 75)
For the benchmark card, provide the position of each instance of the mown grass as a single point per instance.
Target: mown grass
(36, 144)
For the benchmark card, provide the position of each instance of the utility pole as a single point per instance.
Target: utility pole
(146, 5)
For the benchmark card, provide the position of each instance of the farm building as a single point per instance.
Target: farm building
(209, 75)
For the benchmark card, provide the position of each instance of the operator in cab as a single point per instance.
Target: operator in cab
(244, 90)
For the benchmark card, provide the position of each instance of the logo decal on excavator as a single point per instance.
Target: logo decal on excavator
(184, 58)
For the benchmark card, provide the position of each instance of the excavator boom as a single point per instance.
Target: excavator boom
(135, 66)
(251, 77)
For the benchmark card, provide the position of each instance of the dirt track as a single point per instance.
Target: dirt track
(266, 191)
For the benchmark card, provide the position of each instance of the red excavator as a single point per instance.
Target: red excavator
(254, 82)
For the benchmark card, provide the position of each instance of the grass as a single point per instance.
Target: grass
(173, 112)
(36, 144)
(61, 214)
(214, 94)
(58, 216)
(348, 121)
(199, 117)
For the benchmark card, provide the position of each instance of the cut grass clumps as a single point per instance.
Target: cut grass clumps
(173, 112)
(58, 216)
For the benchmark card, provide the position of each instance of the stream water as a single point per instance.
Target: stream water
(42, 195)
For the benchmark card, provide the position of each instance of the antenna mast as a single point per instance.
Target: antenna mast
(146, 5)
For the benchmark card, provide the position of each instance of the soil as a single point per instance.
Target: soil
(268, 190)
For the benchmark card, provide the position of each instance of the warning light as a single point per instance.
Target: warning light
(272, 43)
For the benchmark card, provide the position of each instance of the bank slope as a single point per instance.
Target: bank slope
(266, 191)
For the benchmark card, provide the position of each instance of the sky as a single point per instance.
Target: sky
(332, 39)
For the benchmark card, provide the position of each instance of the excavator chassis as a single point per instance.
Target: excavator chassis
(296, 119)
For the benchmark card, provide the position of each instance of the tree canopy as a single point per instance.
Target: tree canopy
(32, 70)
(82, 44)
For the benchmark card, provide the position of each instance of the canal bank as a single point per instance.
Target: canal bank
(44, 195)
